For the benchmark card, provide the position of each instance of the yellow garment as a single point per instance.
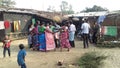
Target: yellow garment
(16, 25)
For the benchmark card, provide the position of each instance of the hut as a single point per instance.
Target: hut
(17, 21)
(91, 16)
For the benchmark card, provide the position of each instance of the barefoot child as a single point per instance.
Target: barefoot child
(6, 46)
(21, 56)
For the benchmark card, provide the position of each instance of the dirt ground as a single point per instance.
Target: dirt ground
(37, 59)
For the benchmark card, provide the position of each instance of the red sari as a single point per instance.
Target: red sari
(64, 39)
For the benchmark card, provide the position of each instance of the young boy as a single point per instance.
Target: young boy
(21, 56)
(6, 46)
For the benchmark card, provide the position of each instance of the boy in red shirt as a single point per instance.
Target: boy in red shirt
(6, 45)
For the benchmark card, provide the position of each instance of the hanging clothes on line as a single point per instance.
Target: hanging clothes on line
(16, 26)
(6, 24)
(19, 24)
(33, 21)
(2, 25)
(12, 27)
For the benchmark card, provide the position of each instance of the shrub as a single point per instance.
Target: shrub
(108, 45)
(90, 60)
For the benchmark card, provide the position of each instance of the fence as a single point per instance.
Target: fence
(18, 35)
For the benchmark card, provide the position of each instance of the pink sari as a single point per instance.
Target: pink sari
(50, 44)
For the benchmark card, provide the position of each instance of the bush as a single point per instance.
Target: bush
(90, 60)
(108, 45)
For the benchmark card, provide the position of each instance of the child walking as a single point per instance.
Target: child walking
(21, 56)
(6, 46)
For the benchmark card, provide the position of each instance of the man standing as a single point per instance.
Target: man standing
(72, 30)
(85, 30)
(95, 33)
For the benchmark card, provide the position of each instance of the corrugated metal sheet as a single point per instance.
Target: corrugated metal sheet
(88, 14)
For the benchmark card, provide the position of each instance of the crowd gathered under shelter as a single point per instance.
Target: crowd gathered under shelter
(49, 36)
(45, 36)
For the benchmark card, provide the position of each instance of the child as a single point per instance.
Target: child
(6, 46)
(21, 56)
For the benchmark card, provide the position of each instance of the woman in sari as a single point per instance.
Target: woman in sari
(41, 37)
(64, 42)
(50, 44)
(35, 37)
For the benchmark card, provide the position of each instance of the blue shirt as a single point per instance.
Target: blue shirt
(21, 56)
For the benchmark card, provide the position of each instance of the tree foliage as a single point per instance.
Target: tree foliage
(70, 11)
(7, 3)
(66, 8)
(51, 9)
(95, 8)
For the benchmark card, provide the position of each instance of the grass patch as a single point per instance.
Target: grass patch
(108, 45)
(91, 60)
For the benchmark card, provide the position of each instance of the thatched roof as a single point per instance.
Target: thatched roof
(45, 14)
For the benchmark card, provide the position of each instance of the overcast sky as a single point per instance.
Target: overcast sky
(78, 5)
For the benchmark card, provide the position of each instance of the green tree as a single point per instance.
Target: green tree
(70, 11)
(51, 9)
(7, 3)
(95, 8)
(66, 8)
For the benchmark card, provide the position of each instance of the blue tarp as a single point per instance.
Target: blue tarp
(101, 19)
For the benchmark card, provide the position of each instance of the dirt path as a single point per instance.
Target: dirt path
(36, 59)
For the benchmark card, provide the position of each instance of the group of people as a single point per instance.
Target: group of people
(90, 34)
(49, 36)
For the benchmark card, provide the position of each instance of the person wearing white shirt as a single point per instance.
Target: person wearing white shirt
(85, 30)
(72, 30)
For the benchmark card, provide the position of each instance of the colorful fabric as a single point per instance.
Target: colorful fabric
(41, 29)
(16, 25)
(50, 44)
(2, 25)
(6, 24)
(35, 30)
(64, 39)
(42, 42)
(109, 30)
(33, 21)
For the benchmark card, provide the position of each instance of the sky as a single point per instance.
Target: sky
(78, 5)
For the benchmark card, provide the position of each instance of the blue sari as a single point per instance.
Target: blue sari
(42, 41)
